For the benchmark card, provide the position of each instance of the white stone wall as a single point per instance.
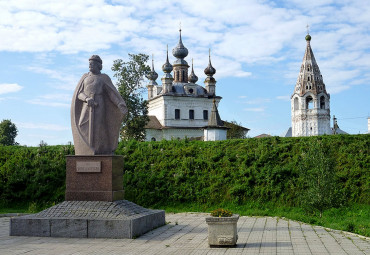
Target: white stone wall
(156, 108)
(164, 109)
(173, 133)
(215, 134)
(310, 122)
(153, 133)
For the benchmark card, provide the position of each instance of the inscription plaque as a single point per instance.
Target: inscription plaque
(88, 166)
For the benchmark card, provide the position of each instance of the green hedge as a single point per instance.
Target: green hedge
(168, 172)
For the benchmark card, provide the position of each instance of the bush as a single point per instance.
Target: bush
(209, 173)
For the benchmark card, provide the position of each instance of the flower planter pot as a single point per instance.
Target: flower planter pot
(222, 231)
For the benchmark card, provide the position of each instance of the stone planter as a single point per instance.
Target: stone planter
(222, 231)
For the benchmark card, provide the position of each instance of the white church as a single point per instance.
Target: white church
(310, 102)
(179, 108)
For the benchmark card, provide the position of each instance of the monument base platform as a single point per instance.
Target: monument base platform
(89, 219)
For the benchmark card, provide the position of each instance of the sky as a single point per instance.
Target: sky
(256, 46)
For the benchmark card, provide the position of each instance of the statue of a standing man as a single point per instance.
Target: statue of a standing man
(97, 112)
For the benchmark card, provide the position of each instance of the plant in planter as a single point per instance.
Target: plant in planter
(222, 228)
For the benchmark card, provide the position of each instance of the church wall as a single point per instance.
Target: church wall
(156, 108)
(215, 134)
(173, 133)
(164, 109)
(153, 133)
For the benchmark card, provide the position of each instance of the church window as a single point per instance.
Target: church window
(308, 78)
(309, 102)
(191, 114)
(177, 114)
(322, 102)
(205, 114)
(183, 75)
(296, 104)
(191, 91)
(178, 75)
(308, 68)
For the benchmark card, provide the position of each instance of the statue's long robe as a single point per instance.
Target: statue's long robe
(107, 117)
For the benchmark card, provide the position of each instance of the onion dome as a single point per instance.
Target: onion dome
(180, 51)
(308, 37)
(210, 70)
(192, 77)
(152, 75)
(167, 67)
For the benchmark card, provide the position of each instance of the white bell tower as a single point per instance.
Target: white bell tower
(310, 103)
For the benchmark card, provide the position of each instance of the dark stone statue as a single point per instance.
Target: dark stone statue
(97, 112)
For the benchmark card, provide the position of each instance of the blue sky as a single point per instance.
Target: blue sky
(257, 48)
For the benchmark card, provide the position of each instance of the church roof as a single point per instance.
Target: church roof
(153, 123)
(309, 78)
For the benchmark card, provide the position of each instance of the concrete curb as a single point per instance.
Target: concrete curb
(12, 214)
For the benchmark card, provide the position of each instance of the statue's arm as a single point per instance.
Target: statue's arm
(114, 95)
(83, 97)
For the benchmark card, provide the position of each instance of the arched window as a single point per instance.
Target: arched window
(309, 103)
(183, 75)
(308, 78)
(322, 102)
(178, 75)
(296, 106)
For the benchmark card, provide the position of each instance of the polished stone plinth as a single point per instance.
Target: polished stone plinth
(94, 178)
(89, 219)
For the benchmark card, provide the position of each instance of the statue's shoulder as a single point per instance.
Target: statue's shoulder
(105, 76)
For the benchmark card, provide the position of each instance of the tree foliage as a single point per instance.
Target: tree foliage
(8, 132)
(317, 169)
(130, 77)
(236, 130)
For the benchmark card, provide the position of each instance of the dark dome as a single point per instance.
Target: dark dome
(180, 51)
(210, 70)
(308, 38)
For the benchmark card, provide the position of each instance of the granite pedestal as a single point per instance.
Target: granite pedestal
(89, 219)
(94, 178)
(94, 206)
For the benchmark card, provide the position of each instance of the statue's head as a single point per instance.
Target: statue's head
(95, 64)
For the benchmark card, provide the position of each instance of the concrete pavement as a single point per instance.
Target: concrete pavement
(186, 233)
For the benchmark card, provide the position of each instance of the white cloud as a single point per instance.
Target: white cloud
(9, 88)
(258, 100)
(53, 100)
(257, 109)
(240, 33)
(44, 126)
(284, 98)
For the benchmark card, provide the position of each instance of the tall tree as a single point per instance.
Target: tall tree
(317, 170)
(8, 132)
(236, 130)
(130, 77)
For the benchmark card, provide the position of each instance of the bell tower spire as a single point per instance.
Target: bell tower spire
(310, 103)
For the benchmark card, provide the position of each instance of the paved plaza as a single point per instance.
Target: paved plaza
(186, 233)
